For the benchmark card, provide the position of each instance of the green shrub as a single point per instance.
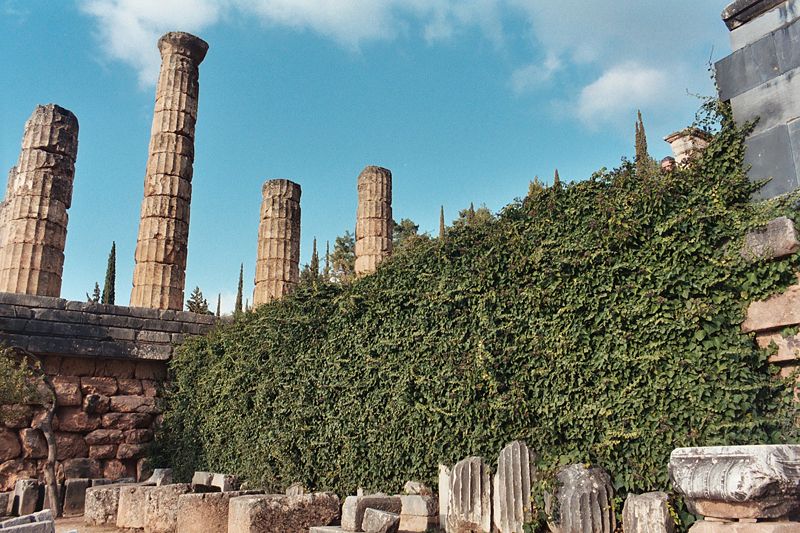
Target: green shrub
(600, 322)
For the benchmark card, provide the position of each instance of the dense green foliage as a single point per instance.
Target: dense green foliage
(599, 321)
(109, 291)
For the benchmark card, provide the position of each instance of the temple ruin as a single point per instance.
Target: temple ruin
(159, 275)
(278, 257)
(33, 216)
(373, 219)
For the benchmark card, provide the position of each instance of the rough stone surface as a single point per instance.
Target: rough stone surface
(33, 216)
(738, 482)
(34, 445)
(418, 524)
(33, 527)
(687, 143)
(376, 521)
(706, 526)
(206, 512)
(777, 239)
(469, 507)
(159, 477)
(355, 506)
(647, 513)
(80, 468)
(416, 505)
(131, 505)
(516, 471)
(14, 470)
(161, 507)
(5, 502)
(26, 497)
(278, 257)
(281, 514)
(159, 274)
(775, 312)
(416, 487)
(101, 505)
(9, 444)
(584, 498)
(373, 219)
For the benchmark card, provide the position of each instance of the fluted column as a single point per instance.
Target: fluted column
(278, 257)
(373, 219)
(159, 274)
(33, 219)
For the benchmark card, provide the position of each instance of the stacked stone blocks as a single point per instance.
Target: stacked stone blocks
(278, 257)
(374, 223)
(33, 216)
(161, 249)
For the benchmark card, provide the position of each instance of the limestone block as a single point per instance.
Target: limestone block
(224, 482)
(6, 498)
(10, 447)
(129, 386)
(281, 514)
(106, 386)
(583, 501)
(125, 421)
(96, 404)
(777, 239)
(101, 503)
(741, 482)
(44, 257)
(159, 477)
(376, 521)
(103, 451)
(33, 527)
(131, 506)
(647, 513)
(775, 312)
(75, 420)
(355, 506)
(160, 274)
(170, 207)
(114, 469)
(52, 128)
(444, 493)
(161, 507)
(418, 524)
(14, 470)
(138, 436)
(516, 472)
(80, 468)
(26, 497)
(131, 451)
(170, 164)
(171, 143)
(161, 297)
(788, 347)
(706, 526)
(418, 488)
(75, 496)
(105, 436)
(470, 504)
(414, 504)
(70, 445)
(134, 404)
(206, 512)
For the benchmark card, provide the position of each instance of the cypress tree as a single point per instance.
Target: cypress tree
(556, 180)
(314, 265)
(219, 300)
(237, 308)
(326, 273)
(111, 274)
(441, 222)
(642, 157)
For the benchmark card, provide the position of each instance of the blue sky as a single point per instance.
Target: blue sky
(464, 100)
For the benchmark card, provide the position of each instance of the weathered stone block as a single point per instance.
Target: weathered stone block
(777, 239)
(101, 503)
(417, 505)
(158, 477)
(380, 522)
(738, 482)
(131, 451)
(14, 470)
(418, 524)
(126, 421)
(6, 498)
(70, 445)
(516, 471)
(470, 505)
(75, 496)
(647, 513)
(96, 404)
(583, 501)
(706, 526)
(417, 488)
(355, 506)
(82, 467)
(161, 507)
(103, 451)
(206, 512)
(444, 494)
(34, 445)
(107, 386)
(68, 391)
(115, 469)
(131, 506)
(775, 312)
(105, 436)
(9, 444)
(26, 497)
(75, 420)
(281, 514)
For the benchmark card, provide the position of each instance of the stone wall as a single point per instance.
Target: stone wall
(107, 364)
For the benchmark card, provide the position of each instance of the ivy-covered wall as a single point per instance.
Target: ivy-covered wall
(598, 321)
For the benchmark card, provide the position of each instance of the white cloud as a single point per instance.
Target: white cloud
(534, 75)
(620, 91)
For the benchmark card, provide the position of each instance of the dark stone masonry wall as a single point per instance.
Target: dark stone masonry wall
(107, 364)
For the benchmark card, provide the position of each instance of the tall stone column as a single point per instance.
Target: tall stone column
(159, 274)
(373, 219)
(33, 216)
(278, 257)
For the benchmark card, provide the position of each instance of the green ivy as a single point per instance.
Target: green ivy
(598, 321)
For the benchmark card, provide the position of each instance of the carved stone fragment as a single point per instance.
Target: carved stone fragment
(777, 239)
(738, 482)
(159, 274)
(469, 508)
(583, 501)
(516, 470)
(373, 219)
(33, 216)
(376, 521)
(647, 513)
(354, 508)
(278, 257)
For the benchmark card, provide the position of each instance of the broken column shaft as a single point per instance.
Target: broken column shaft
(34, 212)
(373, 219)
(278, 257)
(159, 275)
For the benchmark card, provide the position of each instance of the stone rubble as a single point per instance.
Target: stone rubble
(376, 521)
(647, 513)
(354, 507)
(584, 501)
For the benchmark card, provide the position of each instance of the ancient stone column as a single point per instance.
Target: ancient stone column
(373, 219)
(469, 509)
(512, 504)
(158, 278)
(278, 257)
(583, 501)
(34, 213)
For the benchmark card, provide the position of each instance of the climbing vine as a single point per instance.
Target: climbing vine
(599, 321)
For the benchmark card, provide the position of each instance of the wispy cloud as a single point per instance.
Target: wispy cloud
(534, 75)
